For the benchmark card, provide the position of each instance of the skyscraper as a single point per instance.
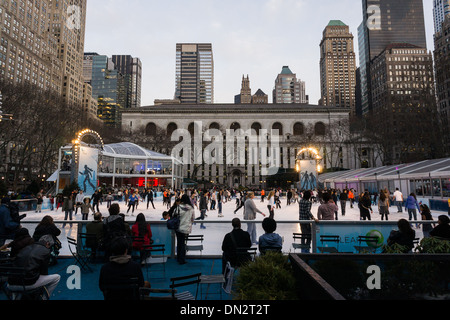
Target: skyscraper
(288, 89)
(441, 9)
(29, 53)
(442, 72)
(386, 22)
(404, 104)
(194, 73)
(337, 66)
(131, 69)
(109, 90)
(67, 22)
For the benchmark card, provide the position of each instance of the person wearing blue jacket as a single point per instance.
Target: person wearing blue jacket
(7, 225)
(270, 241)
(412, 205)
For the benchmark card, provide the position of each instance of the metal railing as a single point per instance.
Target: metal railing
(348, 232)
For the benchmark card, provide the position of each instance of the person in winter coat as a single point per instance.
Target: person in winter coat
(327, 210)
(237, 238)
(187, 215)
(121, 270)
(250, 211)
(412, 206)
(203, 207)
(68, 207)
(270, 241)
(365, 206)
(404, 236)
(22, 239)
(442, 230)
(141, 229)
(8, 226)
(35, 258)
(85, 206)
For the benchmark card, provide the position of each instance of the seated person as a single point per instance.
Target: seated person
(118, 276)
(237, 238)
(48, 227)
(142, 234)
(442, 230)
(114, 226)
(95, 228)
(35, 259)
(270, 241)
(22, 239)
(404, 236)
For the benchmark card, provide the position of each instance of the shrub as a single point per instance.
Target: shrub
(269, 277)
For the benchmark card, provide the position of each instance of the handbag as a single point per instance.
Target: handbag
(174, 222)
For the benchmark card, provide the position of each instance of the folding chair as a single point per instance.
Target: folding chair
(152, 256)
(367, 248)
(245, 255)
(20, 291)
(329, 239)
(194, 247)
(211, 279)
(304, 241)
(81, 256)
(186, 281)
(89, 243)
(157, 294)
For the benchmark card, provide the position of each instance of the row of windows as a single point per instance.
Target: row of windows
(298, 130)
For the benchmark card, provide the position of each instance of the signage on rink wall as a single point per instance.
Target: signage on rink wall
(308, 175)
(349, 234)
(87, 170)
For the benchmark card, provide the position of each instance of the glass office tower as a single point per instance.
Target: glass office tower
(109, 90)
(131, 69)
(195, 73)
(386, 22)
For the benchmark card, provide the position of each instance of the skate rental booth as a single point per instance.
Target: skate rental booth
(93, 164)
(429, 180)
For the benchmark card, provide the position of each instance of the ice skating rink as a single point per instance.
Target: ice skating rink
(217, 227)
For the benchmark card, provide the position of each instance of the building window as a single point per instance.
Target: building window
(319, 129)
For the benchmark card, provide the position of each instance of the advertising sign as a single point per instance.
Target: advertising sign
(308, 174)
(349, 235)
(87, 170)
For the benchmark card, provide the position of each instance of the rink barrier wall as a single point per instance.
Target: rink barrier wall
(349, 231)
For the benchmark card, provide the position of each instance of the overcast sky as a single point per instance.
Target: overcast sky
(254, 37)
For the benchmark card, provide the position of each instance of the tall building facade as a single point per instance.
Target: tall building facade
(441, 9)
(28, 50)
(194, 73)
(131, 69)
(386, 22)
(42, 42)
(288, 89)
(442, 74)
(338, 66)
(67, 22)
(403, 99)
(108, 87)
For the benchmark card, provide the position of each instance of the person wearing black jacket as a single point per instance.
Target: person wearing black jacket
(343, 198)
(442, 230)
(35, 259)
(203, 206)
(237, 238)
(118, 276)
(150, 198)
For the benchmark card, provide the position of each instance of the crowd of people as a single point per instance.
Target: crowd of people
(117, 239)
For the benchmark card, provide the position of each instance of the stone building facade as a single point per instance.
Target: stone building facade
(281, 130)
